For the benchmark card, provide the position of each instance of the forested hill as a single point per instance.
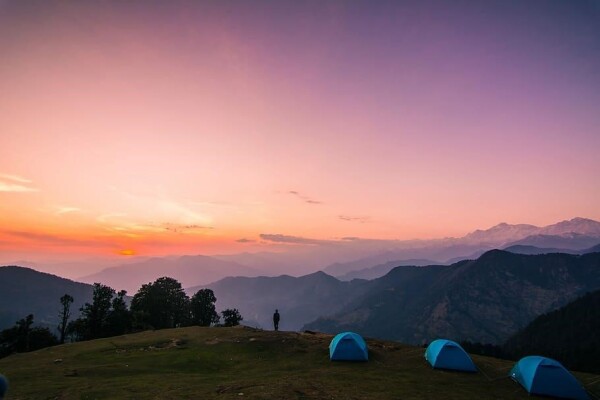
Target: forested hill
(485, 300)
(25, 291)
(570, 334)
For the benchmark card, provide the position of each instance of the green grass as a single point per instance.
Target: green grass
(242, 363)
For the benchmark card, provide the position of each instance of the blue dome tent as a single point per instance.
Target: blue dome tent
(446, 354)
(547, 377)
(348, 346)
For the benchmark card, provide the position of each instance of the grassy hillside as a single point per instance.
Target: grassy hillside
(228, 363)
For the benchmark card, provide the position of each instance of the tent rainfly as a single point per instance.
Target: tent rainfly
(348, 346)
(547, 377)
(446, 354)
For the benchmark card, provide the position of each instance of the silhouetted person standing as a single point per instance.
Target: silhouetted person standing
(276, 320)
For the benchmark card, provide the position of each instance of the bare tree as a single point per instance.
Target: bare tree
(64, 315)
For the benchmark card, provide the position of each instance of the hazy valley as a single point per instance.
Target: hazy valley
(482, 300)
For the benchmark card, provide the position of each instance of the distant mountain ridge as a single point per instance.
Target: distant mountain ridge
(298, 299)
(502, 232)
(338, 257)
(505, 233)
(532, 250)
(582, 226)
(189, 270)
(484, 300)
(193, 270)
(25, 291)
(593, 249)
(572, 236)
(568, 241)
(523, 249)
(382, 269)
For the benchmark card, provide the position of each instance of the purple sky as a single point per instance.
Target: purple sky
(184, 126)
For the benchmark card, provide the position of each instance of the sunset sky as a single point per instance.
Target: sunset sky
(191, 127)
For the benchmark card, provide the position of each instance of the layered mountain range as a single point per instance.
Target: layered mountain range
(483, 300)
(189, 270)
(355, 257)
(575, 236)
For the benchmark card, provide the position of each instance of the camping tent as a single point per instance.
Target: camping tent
(446, 354)
(348, 346)
(545, 376)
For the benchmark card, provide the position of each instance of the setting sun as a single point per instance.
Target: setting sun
(127, 252)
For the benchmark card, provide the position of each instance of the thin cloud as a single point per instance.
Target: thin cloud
(180, 228)
(118, 222)
(66, 210)
(105, 217)
(279, 238)
(313, 201)
(14, 178)
(170, 210)
(244, 240)
(121, 224)
(8, 187)
(348, 218)
(54, 240)
(155, 214)
(15, 184)
(304, 198)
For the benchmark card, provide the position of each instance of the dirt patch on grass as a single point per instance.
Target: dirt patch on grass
(162, 345)
(173, 343)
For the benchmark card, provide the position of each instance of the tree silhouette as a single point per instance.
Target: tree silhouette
(24, 329)
(76, 330)
(119, 317)
(202, 307)
(64, 315)
(93, 322)
(23, 337)
(161, 304)
(231, 317)
(41, 337)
